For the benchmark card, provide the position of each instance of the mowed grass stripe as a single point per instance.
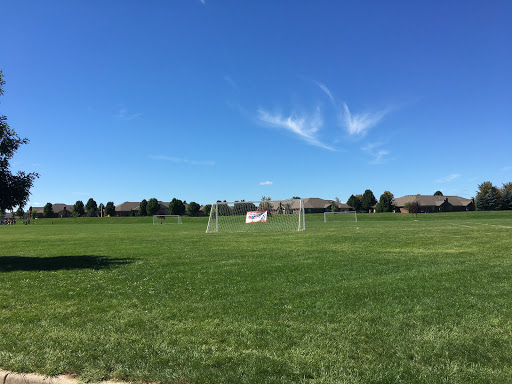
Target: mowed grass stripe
(391, 298)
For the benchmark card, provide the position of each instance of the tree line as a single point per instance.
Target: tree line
(491, 198)
(146, 208)
(366, 201)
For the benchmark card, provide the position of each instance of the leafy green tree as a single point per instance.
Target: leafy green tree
(110, 209)
(20, 212)
(193, 208)
(33, 215)
(415, 208)
(354, 202)
(334, 206)
(176, 207)
(241, 208)
(14, 189)
(78, 209)
(48, 210)
(143, 208)
(385, 203)
(206, 210)
(92, 208)
(153, 207)
(296, 198)
(368, 201)
(224, 209)
(266, 205)
(438, 193)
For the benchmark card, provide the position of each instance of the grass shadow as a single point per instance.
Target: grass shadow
(29, 263)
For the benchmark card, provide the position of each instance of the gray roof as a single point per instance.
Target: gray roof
(128, 206)
(134, 205)
(432, 201)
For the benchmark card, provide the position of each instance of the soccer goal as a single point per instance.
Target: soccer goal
(340, 216)
(257, 216)
(167, 219)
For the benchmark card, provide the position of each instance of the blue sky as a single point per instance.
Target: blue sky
(207, 100)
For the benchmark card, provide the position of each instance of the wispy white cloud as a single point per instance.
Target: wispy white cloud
(231, 82)
(448, 178)
(266, 183)
(123, 114)
(306, 127)
(179, 160)
(326, 90)
(507, 168)
(203, 2)
(359, 124)
(378, 154)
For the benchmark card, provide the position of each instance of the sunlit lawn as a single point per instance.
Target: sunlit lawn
(391, 298)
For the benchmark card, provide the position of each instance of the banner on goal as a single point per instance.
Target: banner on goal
(256, 217)
(240, 216)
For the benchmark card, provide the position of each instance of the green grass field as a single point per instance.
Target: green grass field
(392, 298)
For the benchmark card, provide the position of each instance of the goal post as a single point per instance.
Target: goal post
(340, 216)
(257, 216)
(167, 219)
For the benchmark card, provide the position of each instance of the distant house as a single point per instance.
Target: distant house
(341, 207)
(125, 209)
(62, 210)
(315, 205)
(59, 210)
(432, 204)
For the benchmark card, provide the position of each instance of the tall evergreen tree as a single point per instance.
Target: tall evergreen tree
(506, 196)
(78, 209)
(91, 208)
(491, 200)
(110, 209)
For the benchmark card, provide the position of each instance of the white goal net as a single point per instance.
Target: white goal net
(166, 219)
(340, 216)
(257, 216)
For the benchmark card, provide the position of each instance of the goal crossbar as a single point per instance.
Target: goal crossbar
(167, 219)
(340, 212)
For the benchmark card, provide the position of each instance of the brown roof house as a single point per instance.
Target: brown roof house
(432, 204)
(59, 210)
(342, 207)
(125, 209)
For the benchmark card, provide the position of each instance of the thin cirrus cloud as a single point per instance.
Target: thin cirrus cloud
(228, 79)
(376, 152)
(448, 178)
(326, 90)
(266, 183)
(179, 160)
(355, 124)
(123, 114)
(306, 127)
(359, 124)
